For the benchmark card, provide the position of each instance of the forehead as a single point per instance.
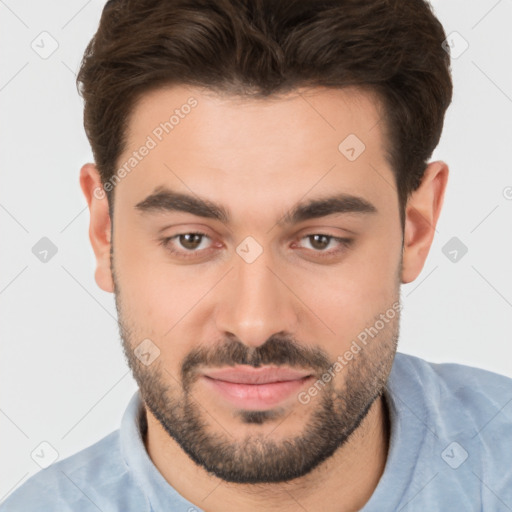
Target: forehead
(218, 145)
(304, 114)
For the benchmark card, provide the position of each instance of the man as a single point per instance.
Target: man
(261, 189)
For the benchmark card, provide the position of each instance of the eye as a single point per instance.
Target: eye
(320, 241)
(191, 242)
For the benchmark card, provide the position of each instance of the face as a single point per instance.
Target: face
(257, 250)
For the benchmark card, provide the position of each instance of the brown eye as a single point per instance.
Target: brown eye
(185, 245)
(190, 241)
(320, 241)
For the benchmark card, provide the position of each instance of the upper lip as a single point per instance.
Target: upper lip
(250, 375)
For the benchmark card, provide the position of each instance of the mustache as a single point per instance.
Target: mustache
(277, 351)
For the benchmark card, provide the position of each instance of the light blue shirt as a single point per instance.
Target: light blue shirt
(450, 450)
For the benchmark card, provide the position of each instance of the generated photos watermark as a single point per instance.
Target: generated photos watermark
(152, 140)
(363, 338)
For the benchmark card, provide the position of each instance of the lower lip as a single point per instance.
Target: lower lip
(256, 396)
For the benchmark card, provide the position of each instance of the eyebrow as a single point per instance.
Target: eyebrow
(165, 200)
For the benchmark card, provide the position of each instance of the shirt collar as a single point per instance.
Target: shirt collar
(160, 495)
(401, 392)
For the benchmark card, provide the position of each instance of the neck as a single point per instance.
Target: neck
(342, 483)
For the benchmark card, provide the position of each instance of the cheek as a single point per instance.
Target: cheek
(159, 298)
(348, 297)
(155, 293)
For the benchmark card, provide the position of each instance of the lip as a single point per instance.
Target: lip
(250, 375)
(255, 388)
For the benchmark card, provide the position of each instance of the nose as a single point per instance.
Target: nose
(257, 302)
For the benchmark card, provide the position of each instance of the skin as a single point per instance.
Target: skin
(283, 150)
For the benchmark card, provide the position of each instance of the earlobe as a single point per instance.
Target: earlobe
(100, 224)
(421, 216)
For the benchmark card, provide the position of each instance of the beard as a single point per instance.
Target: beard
(335, 412)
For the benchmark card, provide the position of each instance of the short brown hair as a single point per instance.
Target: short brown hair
(265, 47)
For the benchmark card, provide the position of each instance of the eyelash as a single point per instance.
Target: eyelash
(344, 242)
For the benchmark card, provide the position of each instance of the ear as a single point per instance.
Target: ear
(99, 227)
(421, 215)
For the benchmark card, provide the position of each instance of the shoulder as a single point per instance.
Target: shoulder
(451, 437)
(457, 401)
(474, 389)
(87, 480)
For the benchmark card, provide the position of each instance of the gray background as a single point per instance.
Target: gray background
(63, 376)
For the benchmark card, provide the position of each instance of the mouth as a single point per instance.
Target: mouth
(255, 388)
